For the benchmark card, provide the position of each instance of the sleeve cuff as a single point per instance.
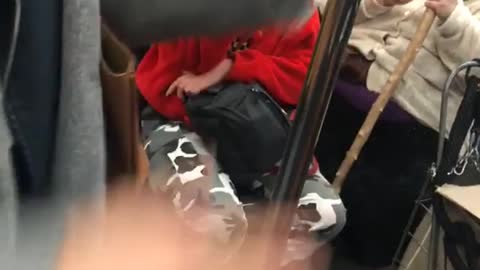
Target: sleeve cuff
(371, 8)
(320, 5)
(456, 22)
(236, 71)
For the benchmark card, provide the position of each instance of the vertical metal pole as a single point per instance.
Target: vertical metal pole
(337, 24)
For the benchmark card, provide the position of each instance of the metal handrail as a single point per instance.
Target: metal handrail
(337, 25)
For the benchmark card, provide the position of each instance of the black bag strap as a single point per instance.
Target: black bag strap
(276, 107)
(7, 65)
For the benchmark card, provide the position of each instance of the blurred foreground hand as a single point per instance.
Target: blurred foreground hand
(141, 232)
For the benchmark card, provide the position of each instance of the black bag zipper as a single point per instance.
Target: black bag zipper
(276, 107)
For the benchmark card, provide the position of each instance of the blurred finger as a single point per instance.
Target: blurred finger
(143, 231)
(432, 4)
(188, 91)
(172, 88)
(137, 231)
(181, 92)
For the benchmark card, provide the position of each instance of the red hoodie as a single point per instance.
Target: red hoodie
(278, 61)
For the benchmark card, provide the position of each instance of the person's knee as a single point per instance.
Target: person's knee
(325, 218)
(226, 219)
(335, 229)
(321, 209)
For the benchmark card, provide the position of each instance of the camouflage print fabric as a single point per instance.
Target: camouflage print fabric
(183, 165)
(320, 217)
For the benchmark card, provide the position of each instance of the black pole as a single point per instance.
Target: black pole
(336, 27)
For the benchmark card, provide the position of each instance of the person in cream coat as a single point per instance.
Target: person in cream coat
(392, 167)
(382, 33)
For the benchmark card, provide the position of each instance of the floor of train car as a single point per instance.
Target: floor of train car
(342, 262)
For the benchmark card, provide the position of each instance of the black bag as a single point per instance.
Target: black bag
(462, 231)
(250, 128)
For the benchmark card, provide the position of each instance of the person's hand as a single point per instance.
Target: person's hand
(143, 231)
(191, 84)
(443, 8)
(134, 232)
(391, 3)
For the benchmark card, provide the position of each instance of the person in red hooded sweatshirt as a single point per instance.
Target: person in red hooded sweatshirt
(185, 164)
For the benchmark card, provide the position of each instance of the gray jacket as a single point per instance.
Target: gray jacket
(31, 229)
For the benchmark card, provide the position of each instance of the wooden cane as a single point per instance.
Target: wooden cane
(382, 100)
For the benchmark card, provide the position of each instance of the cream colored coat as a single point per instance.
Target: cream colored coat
(383, 34)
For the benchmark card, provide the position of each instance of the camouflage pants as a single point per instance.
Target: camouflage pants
(183, 166)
